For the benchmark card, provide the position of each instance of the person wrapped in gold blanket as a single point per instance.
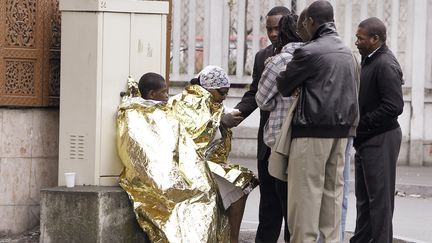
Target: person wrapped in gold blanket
(176, 171)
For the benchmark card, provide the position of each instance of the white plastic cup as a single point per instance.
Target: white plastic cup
(70, 179)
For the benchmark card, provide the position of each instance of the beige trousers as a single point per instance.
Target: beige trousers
(315, 187)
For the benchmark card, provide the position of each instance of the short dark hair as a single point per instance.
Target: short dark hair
(374, 26)
(321, 12)
(150, 81)
(287, 31)
(195, 81)
(278, 10)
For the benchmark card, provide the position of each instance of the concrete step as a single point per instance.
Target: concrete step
(88, 214)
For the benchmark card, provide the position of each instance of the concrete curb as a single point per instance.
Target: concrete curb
(248, 236)
(413, 190)
(406, 240)
(396, 238)
(407, 190)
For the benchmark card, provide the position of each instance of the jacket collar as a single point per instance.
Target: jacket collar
(366, 59)
(328, 28)
(270, 49)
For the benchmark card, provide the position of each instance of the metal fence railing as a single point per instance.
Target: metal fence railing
(228, 33)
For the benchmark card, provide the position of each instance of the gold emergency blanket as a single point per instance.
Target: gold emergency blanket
(168, 179)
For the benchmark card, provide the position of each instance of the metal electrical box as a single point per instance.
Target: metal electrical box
(102, 43)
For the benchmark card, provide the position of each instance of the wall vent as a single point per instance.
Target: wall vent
(76, 147)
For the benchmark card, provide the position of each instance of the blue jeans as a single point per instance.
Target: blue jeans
(346, 174)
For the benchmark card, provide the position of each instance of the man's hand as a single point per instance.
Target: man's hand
(269, 59)
(296, 92)
(232, 119)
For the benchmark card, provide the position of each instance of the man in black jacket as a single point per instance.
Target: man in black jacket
(326, 115)
(271, 208)
(378, 134)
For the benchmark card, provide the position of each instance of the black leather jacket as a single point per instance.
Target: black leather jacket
(328, 74)
(248, 104)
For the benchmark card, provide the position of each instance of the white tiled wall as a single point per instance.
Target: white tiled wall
(28, 162)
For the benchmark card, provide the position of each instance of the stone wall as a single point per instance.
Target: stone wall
(28, 163)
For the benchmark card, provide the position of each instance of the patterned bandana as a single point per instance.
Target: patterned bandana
(213, 77)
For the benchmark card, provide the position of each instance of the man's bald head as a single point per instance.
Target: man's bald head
(300, 28)
(302, 15)
(321, 12)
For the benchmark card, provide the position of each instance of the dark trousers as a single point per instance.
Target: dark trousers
(272, 206)
(375, 172)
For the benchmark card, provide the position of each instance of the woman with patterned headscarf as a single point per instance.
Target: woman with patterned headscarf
(210, 88)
